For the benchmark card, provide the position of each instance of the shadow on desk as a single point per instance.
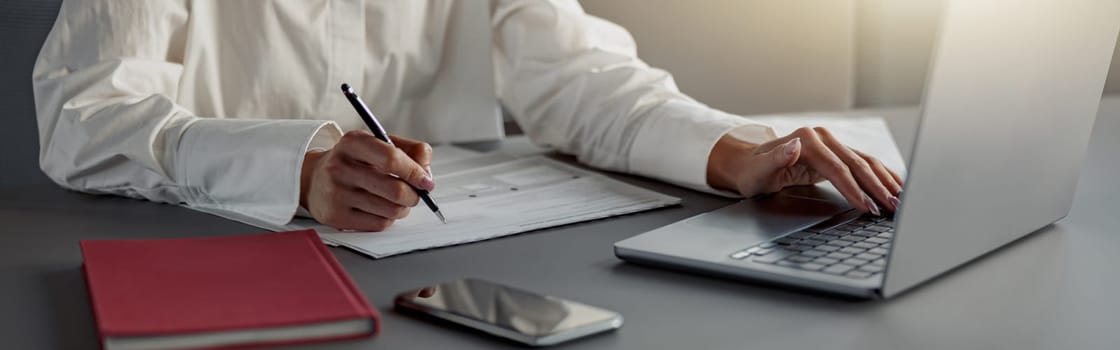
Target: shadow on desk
(68, 297)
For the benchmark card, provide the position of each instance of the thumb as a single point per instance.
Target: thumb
(408, 170)
(761, 177)
(781, 157)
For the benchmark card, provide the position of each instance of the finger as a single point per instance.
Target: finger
(385, 158)
(369, 203)
(860, 169)
(769, 173)
(353, 219)
(380, 185)
(827, 164)
(420, 152)
(427, 292)
(897, 178)
(885, 175)
(768, 146)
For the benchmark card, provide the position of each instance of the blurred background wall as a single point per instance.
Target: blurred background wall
(763, 56)
(747, 56)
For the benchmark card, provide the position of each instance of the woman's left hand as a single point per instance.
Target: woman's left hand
(804, 157)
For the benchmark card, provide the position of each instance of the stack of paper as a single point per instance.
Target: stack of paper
(486, 196)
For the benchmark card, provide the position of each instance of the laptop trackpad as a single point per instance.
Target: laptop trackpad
(769, 217)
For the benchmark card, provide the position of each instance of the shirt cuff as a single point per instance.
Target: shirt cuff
(249, 168)
(675, 140)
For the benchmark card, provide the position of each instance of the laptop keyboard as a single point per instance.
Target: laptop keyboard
(856, 248)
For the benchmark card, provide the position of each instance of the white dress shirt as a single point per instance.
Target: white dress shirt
(212, 104)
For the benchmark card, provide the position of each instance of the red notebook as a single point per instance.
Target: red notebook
(222, 292)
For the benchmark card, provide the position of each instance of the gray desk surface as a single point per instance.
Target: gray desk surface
(1054, 289)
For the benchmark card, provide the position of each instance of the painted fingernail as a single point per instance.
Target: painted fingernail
(427, 183)
(894, 202)
(793, 145)
(428, 169)
(871, 207)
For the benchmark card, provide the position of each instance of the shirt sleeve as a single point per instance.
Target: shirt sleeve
(105, 88)
(574, 82)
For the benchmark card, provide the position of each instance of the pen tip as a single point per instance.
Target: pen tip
(345, 87)
(441, 218)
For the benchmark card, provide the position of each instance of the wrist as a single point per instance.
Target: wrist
(310, 162)
(726, 162)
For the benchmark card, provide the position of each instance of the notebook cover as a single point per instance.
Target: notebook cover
(190, 285)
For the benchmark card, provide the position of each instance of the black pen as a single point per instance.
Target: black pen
(379, 132)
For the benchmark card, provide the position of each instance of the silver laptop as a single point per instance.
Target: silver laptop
(1009, 103)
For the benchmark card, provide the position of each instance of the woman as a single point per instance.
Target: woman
(232, 106)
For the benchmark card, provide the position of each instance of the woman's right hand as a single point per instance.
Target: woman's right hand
(362, 183)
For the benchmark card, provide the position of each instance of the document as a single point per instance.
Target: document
(485, 195)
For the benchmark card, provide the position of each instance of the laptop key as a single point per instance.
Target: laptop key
(851, 250)
(839, 255)
(865, 245)
(838, 269)
(877, 250)
(812, 242)
(763, 251)
(814, 253)
(879, 262)
(811, 266)
(800, 247)
(877, 240)
(739, 255)
(787, 263)
(800, 258)
(864, 233)
(854, 261)
(826, 236)
(869, 256)
(852, 238)
(878, 228)
(767, 245)
(827, 248)
(840, 243)
(858, 274)
(825, 260)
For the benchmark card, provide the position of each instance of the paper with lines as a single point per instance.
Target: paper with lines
(497, 196)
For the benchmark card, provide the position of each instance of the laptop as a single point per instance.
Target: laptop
(1009, 103)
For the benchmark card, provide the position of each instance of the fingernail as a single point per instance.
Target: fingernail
(894, 202)
(428, 169)
(427, 183)
(871, 207)
(793, 145)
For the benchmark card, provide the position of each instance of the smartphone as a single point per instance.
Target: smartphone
(516, 314)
